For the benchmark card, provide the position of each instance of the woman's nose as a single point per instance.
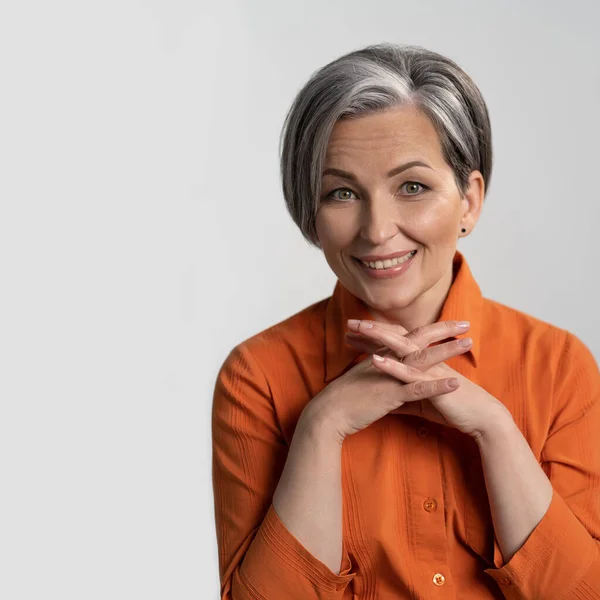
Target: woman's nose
(379, 220)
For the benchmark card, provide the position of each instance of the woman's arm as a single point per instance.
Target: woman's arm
(518, 490)
(259, 557)
(547, 520)
(308, 498)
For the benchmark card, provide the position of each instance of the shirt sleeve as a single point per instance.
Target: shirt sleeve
(561, 557)
(259, 559)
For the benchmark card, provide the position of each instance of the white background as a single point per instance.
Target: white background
(143, 234)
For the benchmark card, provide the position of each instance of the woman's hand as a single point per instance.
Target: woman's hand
(365, 394)
(469, 408)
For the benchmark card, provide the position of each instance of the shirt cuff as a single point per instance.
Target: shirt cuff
(277, 565)
(553, 559)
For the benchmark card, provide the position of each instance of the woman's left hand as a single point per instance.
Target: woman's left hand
(469, 408)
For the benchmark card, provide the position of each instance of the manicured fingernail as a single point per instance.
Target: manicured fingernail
(453, 383)
(378, 358)
(463, 324)
(465, 343)
(353, 323)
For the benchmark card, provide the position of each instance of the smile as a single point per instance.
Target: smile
(386, 264)
(386, 269)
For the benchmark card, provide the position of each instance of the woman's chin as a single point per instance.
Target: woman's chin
(390, 305)
(382, 300)
(377, 296)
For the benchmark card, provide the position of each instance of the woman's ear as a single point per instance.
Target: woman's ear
(472, 201)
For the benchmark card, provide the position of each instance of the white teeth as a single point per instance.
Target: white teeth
(386, 264)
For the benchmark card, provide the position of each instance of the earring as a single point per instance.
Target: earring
(464, 230)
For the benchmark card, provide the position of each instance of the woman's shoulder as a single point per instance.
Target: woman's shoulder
(501, 315)
(301, 333)
(512, 326)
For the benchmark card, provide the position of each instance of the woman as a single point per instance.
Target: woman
(404, 438)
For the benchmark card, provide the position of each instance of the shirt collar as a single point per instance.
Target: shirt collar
(463, 303)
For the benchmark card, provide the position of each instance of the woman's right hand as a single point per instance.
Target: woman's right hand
(363, 394)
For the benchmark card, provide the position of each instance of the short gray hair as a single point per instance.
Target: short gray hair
(371, 79)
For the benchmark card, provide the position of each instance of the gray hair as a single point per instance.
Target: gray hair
(375, 78)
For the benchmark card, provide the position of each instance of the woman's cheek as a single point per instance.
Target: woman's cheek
(436, 220)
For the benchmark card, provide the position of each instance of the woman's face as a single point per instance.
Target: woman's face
(376, 201)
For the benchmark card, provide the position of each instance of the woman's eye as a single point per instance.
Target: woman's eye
(413, 187)
(344, 194)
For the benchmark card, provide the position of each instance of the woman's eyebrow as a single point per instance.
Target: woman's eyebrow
(394, 171)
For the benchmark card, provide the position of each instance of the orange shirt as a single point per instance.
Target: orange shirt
(416, 517)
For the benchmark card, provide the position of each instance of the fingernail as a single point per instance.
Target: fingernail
(463, 324)
(465, 342)
(378, 358)
(356, 323)
(453, 383)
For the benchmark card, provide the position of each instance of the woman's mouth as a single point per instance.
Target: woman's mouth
(384, 269)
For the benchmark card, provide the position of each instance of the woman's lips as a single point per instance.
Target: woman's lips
(388, 273)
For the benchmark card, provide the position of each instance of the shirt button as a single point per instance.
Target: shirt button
(430, 504)
(439, 579)
(422, 431)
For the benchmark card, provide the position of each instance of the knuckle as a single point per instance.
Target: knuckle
(420, 357)
(413, 345)
(419, 389)
(418, 331)
(409, 345)
(410, 393)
